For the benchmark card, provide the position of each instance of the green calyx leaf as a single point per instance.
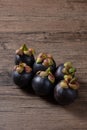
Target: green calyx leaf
(39, 60)
(19, 69)
(50, 75)
(74, 86)
(67, 78)
(65, 71)
(63, 84)
(22, 50)
(48, 70)
(50, 61)
(72, 70)
(44, 56)
(45, 63)
(43, 74)
(26, 52)
(67, 64)
(73, 80)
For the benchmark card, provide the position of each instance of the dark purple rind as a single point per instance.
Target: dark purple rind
(42, 86)
(64, 96)
(22, 79)
(29, 60)
(58, 73)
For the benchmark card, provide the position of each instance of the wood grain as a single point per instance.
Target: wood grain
(55, 26)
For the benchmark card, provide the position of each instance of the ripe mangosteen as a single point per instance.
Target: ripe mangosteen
(43, 83)
(64, 69)
(66, 91)
(22, 75)
(25, 55)
(43, 62)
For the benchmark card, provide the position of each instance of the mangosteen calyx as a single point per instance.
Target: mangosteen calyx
(24, 50)
(47, 74)
(69, 82)
(22, 67)
(45, 59)
(68, 69)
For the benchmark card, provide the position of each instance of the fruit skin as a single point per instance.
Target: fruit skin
(64, 96)
(39, 67)
(29, 60)
(58, 73)
(42, 86)
(22, 79)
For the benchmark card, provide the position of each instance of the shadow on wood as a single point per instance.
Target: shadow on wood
(79, 107)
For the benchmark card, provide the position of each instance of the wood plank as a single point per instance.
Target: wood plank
(45, 24)
(36, 113)
(42, 16)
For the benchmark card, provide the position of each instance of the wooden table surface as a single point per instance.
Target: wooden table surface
(55, 26)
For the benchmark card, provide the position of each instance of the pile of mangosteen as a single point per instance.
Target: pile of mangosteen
(44, 76)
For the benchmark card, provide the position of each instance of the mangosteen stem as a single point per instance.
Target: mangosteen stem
(24, 48)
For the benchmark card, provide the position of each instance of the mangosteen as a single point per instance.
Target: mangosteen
(66, 91)
(25, 55)
(22, 75)
(43, 83)
(64, 69)
(43, 62)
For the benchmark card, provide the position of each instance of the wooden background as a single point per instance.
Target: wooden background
(55, 26)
